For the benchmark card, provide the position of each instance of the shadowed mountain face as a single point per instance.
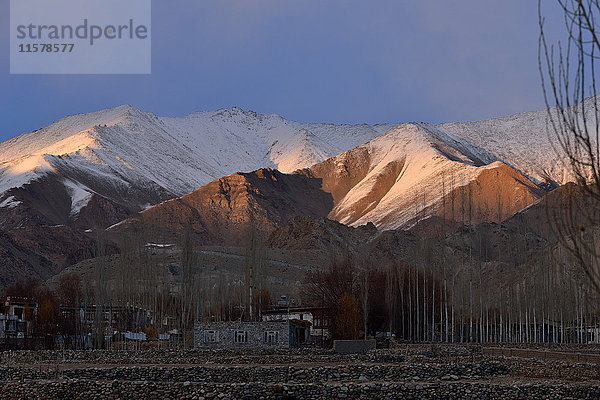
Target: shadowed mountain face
(532, 233)
(307, 233)
(221, 211)
(40, 251)
(41, 235)
(365, 243)
(18, 262)
(566, 210)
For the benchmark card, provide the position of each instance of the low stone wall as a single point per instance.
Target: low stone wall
(553, 370)
(545, 355)
(353, 346)
(245, 355)
(591, 348)
(193, 356)
(83, 389)
(272, 374)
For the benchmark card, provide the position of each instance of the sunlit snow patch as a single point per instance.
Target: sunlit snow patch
(10, 202)
(80, 197)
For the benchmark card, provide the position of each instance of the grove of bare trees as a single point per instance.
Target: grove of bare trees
(568, 69)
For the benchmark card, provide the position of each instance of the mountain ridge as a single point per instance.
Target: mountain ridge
(89, 171)
(406, 174)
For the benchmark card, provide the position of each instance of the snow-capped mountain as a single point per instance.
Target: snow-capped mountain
(397, 180)
(122, 160)
(95, 170)
(136, 159)
(527, 140)
(416, 171)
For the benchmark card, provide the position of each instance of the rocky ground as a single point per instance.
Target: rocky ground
(410, 372)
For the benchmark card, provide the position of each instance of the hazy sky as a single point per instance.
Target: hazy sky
(343, 61)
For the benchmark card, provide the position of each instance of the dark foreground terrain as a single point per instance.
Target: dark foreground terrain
(408, 372)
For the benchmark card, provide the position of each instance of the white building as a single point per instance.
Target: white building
(16, 318)
(320, 319)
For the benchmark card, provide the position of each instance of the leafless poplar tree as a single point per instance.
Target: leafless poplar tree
(568, 71)
(253, 266)
(189, 262)
(101, 291)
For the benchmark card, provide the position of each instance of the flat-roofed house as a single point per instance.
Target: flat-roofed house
(282, 333)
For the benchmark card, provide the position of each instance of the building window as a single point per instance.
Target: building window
(22, 327)
(240, 336)
(211, 336)
(271, 337)
(322, 323)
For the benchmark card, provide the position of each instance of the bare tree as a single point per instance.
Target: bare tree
(189, 262)
(337, 287)
(253, 269)
(101, 291)
(568, 71)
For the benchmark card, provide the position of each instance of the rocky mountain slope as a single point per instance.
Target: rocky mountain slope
(223, 211)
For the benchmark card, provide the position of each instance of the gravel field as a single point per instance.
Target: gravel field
(410, 372)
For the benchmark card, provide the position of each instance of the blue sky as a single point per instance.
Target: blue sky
(342, 61)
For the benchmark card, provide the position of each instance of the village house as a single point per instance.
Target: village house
(124, 318)
(17, 316)
(282, 334)
(320, 319)
(116, 322)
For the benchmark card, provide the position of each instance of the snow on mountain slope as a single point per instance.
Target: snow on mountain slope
(135, 158)
(525, 141)
(302, 149)
(80, 197)
(34, 142)
(411, 171)
(264, 140)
